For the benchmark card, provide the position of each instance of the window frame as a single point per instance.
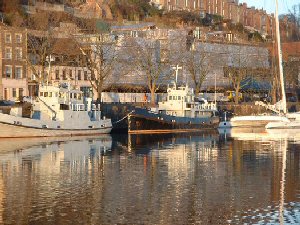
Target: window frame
(19, 56)
(57, 77)
(14, 92)
(21, 92)
(5, 71)
(21, 69)
(18, 40)
(6, 40)
(8, 55)
(79, 75)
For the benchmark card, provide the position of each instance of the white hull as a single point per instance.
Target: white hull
(14, 131)
(251, 121)
(14, 126)
(284, 125)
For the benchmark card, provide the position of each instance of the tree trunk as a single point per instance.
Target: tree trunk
(152, 96)
(99, 96)
(99, 91)
(197, 89)
(236, 97)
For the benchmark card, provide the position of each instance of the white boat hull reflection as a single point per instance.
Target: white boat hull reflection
(64, 149)
(262, 134)
(259, 121)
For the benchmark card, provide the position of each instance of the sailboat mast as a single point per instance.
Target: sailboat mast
(283, 97)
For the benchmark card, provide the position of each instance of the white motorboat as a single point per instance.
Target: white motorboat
(252, 121)
(56, 112)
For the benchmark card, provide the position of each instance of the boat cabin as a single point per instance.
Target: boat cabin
(182, 102)
(60, 103)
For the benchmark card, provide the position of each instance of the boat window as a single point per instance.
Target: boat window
(170, 97)
(75, 95)
(179, 97)
(41, 94)
(46, 94)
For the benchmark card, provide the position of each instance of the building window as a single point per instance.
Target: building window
(18, 38)
(18, 53)
(93, 76)
(21, 93)
(64, 75)
(70, 74)
(14, 93)
(33, 77)
(56, 74)
(79, 75)
(7, 38)
(201, 4)
(85, 75)
(18, 72)
(8, 71)
(5, 94)
(8, 53)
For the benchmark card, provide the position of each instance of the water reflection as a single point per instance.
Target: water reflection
(237, 177)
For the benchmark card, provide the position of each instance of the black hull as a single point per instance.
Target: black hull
(144, 121)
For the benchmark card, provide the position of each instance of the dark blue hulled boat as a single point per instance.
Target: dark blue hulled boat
(180, 111)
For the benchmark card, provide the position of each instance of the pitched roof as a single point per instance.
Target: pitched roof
(66, 46)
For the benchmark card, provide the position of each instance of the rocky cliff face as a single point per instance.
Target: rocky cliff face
(96, 9)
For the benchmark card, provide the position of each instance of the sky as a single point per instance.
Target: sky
(269, 5)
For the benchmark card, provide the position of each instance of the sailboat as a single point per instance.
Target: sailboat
(278, 119)
(293, 119)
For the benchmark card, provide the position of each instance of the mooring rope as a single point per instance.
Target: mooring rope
(123, 117)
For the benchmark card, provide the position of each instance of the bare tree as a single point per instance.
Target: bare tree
(99, 56)
(40, 45)
(291, 72)
(275, 80)
(294, 17)
(246, 61)
(237, 71)
(198, 64)
(149, 62)
(236, 76)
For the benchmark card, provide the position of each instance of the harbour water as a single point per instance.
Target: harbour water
(194, 178)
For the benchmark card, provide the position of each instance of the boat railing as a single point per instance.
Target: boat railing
(95, 107)
(77, 107)
(208, 106)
